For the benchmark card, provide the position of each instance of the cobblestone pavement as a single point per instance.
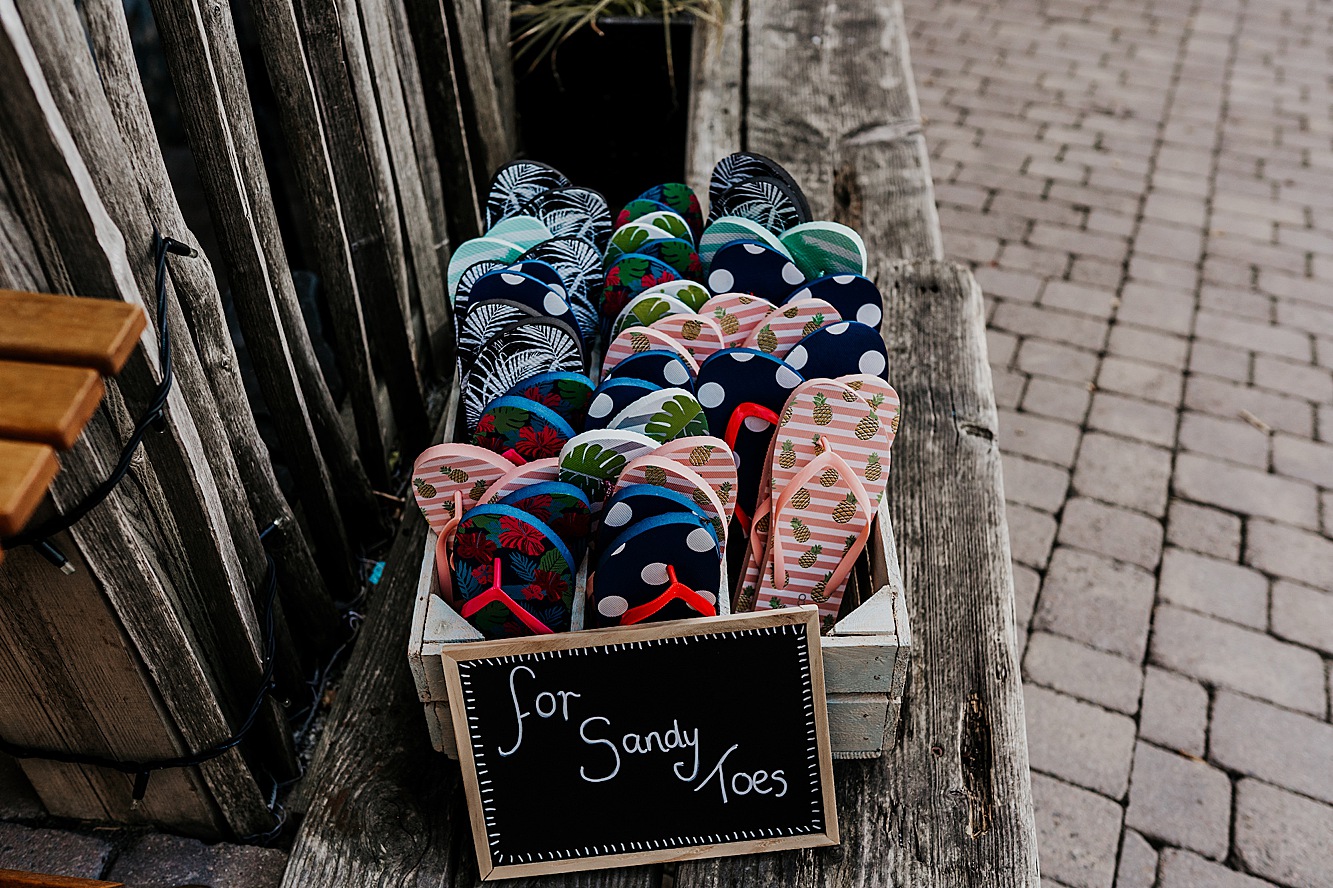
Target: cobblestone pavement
(1145, 190)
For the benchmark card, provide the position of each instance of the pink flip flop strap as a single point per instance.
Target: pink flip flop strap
(825, 460)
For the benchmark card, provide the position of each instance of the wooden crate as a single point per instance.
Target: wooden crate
(865, 656)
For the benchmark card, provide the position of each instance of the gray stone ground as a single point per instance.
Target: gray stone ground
(1145, 190)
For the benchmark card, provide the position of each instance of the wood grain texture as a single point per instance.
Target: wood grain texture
(716, 109)
(47, 402)
(16, 879)
(53, 329)
(304, 592)
(491, 146)
(26, 470)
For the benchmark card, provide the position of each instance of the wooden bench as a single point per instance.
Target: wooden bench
(827, 91)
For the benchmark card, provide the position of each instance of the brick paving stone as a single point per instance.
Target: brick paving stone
(1144, 344)
(1108, 530)
(1302, 380)
(1220, 653)
(1287, 552)
(1035, 484)
(1138, 862)
(1230, 439)
(1147, 381)
(1303, 615)
(1224, 361)
(1008, 388)
(1215, 587)
(163, 861)
(1203, 529)
(1302, 459)
(53, 852)
(1102, 603)
(1179, 801)
(1183, 869)
(1078, 742)
(1174, 711)
(1000, 347)
(1056, 360)
(1227, 399)
(1161, 308)
(1246, 490)
(1031, 534)
(1055, 399)
(1253, 335)
(1288, 750)
(1132, 418)
(1039, 438)
(1082, 672)
(1077, 833)
(1282, 836)
(1080, 298)
(1125, 473)
(1008, 284)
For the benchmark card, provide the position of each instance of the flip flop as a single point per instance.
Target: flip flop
(567, 394)
(676, 252)
(613, 396)
(635, 340)
(542, 271)
(562, 507)
(668, 220)
(787, 325)
(574, 212)
(522, 289)
(448, 479)
(638, 502)
(579, 264)
(479, 249)
(631, 275)
(470, 276)
(692, 293)
(521, 229)
(521, 430)
(630, 237)
(754, 268)
(664, 368)
(729, 229)
(738, 314)
(700, 335)
(663, 568)
(669, 474)
(840, 349)
(825, 248)
(746, 165)
(483, 323)
(663, 415)
(593, 460)
(644, 309)
(855, 297)
(773, 203)
(536, 573)
(518, 477)
(517, 183)
(520, 351)
(714, 462)
(679, 198)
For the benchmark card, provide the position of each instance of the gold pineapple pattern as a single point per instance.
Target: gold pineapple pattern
(479, 489)
(761, 526)
(873, 468)
(639, 343)
(846, 510)
(425, 490)
(847, 544)
(699, 455)
(729, 323)
(786, 415)
(458, 476)
(745, 600)
(786, 459)
(791, 312)
(690, 330)
(820, 591)
(848, 395)
(823, 412)
(767, 340)
(700, 498)
(894, 425)
(801, 499)
(724, 492)
(866, 428)
(809, 556)
(828, 478)
(812, 325)
(655, 475)
(800, 531)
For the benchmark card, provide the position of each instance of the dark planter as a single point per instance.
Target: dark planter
(606, 112)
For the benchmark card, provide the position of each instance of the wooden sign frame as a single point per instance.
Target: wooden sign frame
(602, 638)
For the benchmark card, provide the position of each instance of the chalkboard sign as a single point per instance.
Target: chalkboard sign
(667, 741)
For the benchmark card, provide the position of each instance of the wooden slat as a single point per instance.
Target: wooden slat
(51, 329)
(26, 470)
(16, 879)
(47, 402)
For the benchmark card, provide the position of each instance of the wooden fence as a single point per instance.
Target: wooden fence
(393, 113)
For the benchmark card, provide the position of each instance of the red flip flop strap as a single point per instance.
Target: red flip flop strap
(677, 590)
(496, 594)
(738, 416)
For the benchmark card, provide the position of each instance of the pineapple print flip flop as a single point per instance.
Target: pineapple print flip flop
(518, 477)
(521, 430)
(641, 339)
(521, 229)
(714, 462)
(594, 460)
(785, 326)
(644, 309)
(749, 267)
(824, 248)
(573, 212)
(448, 479)
(517, 183)
(663, 568)
(663, 415)
(699, 335)
(664, 368)
(659, 471)
(738, 314)
(612, 397)
(841, 349)
(855, 297)
(512, 574)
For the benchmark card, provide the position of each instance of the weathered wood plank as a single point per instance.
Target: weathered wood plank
(51, 329)
(305, 595)
(716, 110)
(341, 74)
(497, 18)
(26, 470)
(491, 146)
(16, 879)
(304, 128)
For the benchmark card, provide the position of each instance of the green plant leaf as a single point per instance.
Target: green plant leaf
(681, 416)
